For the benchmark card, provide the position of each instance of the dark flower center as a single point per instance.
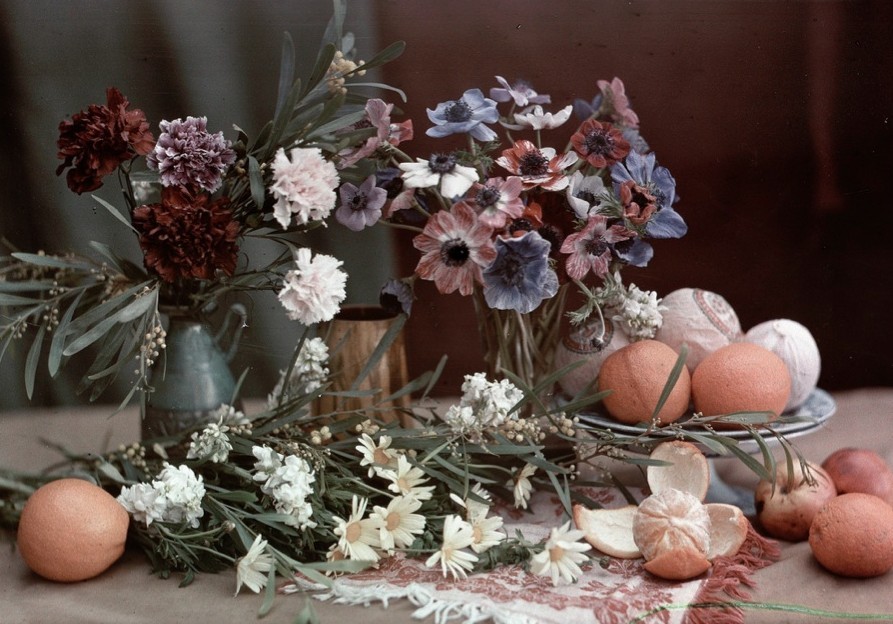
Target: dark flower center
(358, 202)
(553, 235)
(457, 112)
(511, 270)
(599, 142)
(520, 225)
(534, 164)
(442, 163)
(487, 196)
(454, 252)
(587, 196)
(596, 246)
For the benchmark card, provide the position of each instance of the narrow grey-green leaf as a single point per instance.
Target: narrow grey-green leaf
(32, 360)
(115, 213)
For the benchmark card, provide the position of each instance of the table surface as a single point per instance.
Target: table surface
(129, 593)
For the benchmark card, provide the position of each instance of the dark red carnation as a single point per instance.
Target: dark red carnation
(95, 141)
(187, 236)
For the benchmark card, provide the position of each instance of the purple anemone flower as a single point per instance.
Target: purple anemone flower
(642, 169)
(186, 154)
(468, 114)
(396, 296)
(360, 205)
(520, 277)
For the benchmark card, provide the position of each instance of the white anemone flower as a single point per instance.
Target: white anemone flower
(457, 535)
(378, 456)
(521, 486)
(561, 556)
(585, 194)
(442, 169)
(407, 480)
(398, 524)
(358, 536)
(253, 569)
(538, 120)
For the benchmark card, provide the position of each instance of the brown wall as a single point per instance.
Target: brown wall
(775, 119)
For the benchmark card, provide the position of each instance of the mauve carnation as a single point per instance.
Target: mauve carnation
(187, 236)
(188, 155)
(95, 141)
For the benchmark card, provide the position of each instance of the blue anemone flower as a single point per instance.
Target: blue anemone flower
(643, 170)
(468, 114)
(520, 277)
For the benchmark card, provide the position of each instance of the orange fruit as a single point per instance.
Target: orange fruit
(671, 519)
(741, 377)
(860, 470)
(71, 530)
(636, 375)
(728, 529)
(678, 564)
(852, 535)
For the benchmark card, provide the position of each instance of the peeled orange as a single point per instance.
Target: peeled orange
(686, 469)
(636, 375)
(609, 530)
(71, 530)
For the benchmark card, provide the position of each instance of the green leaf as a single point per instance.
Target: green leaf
(383, 345)
(54, 262)
(269, 593)
(286, 71)
(32, 360)
(54, 360)
(134, 309)
(115, 213)
(320, 69)
(256, 181)
(16, 301)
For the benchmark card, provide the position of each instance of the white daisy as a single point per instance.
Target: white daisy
(521, 485)
(358, 536)
(477, 506)
(407, 480)
(561, 555)
(252, 569)
(377, 456)
(457, 535)
(486, 532)
(398, 524)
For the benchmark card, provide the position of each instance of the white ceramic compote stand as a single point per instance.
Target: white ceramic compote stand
(718, 443)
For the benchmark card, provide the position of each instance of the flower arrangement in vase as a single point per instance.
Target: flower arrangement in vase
(513, 223)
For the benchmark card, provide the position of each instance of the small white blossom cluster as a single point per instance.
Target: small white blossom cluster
(288, 481)
(307, 374)
(175, 496)
(484, 404)
(637, 312)
(211, 444)
(230, 416)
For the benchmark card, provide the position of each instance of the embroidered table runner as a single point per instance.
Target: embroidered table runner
(610, 590)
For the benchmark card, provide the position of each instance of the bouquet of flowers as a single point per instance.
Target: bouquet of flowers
(512, 223)
(191, 197)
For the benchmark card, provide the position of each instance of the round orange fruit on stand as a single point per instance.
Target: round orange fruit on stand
(636, 376)
(741, 377)
(71, 530)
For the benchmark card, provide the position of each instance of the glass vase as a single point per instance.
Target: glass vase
(192, 379)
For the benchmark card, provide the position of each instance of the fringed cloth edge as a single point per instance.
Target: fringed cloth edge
(732, 578)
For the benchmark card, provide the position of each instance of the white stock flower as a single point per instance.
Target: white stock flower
(398, 524)
(289, 482)
(457, 535)
(638, 312)
(252, 569)
(561, 556)
(303, 186)
(407, 480)
(211, 444)
(307, 375)
(174, 496)
(229, 415)
(314, 290)
(357, 536)
(521, 486)
(484, 404)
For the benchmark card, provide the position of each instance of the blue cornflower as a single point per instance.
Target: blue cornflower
(520, 277)
(467, 114)
(642, 169)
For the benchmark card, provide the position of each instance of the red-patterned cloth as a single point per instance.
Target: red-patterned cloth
(618, 593)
